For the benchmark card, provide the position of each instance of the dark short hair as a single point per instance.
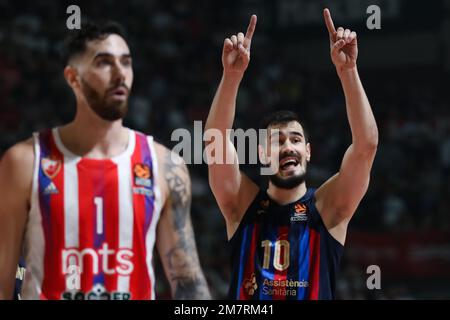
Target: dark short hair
(281, 117)
(75, 42)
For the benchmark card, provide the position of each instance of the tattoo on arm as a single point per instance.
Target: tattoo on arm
(183, 262)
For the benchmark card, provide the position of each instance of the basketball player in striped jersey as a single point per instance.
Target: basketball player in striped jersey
(286, 239)
(87, 202)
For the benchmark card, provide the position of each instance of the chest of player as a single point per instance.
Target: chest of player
(270, 215)
(94, 189)
(279, 233)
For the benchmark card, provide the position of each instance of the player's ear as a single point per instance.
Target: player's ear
(71, 76)
(308, 152)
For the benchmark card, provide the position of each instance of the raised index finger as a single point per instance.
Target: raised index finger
(329, 22)
(251, 28)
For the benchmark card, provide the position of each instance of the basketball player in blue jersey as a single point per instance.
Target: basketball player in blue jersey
(287, 239)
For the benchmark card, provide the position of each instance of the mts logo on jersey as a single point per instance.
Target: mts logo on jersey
(99, 260)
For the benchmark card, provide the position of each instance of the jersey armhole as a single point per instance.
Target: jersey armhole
(34, 200)
(155, 174)
(246, 216)
(319, 220)
(35, 182)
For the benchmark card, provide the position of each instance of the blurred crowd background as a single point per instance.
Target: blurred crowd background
(403, 223)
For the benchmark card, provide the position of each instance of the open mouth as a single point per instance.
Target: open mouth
(289, 163)
(119, 92)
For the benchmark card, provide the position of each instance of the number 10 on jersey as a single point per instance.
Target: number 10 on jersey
(281, 256)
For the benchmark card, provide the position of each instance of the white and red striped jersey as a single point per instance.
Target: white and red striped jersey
(91, 228)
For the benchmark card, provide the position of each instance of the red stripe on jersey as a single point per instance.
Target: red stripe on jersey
(87, 211)
(98, 179)
(54, 280)
(111, 220)
(282, 274)
(249, 275)
(314, 265)
(140, 283)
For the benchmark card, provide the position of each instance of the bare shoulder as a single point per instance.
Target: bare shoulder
(163, 152)
(169, 161)
(21, 155)
(172, 171)
(17, 165)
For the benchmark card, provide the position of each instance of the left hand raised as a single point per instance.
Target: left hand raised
(343, 45)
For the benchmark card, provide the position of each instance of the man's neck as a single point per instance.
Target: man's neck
(286, 196)
(92, 137)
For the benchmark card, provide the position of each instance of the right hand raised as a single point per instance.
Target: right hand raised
(236, 50)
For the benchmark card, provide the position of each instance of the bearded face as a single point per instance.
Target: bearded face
(287, 154)
(105, 77)
(111, 104)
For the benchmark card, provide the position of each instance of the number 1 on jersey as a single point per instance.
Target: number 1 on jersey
(99, 209)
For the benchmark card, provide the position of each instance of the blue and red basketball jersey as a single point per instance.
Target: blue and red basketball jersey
(283, 252)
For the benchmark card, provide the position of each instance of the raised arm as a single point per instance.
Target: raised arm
(175, 235)
(338, 198)
(232, 189)
(16, 174)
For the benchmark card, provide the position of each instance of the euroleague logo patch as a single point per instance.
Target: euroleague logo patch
(299, 213)
(50, 167)
(142, 175)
